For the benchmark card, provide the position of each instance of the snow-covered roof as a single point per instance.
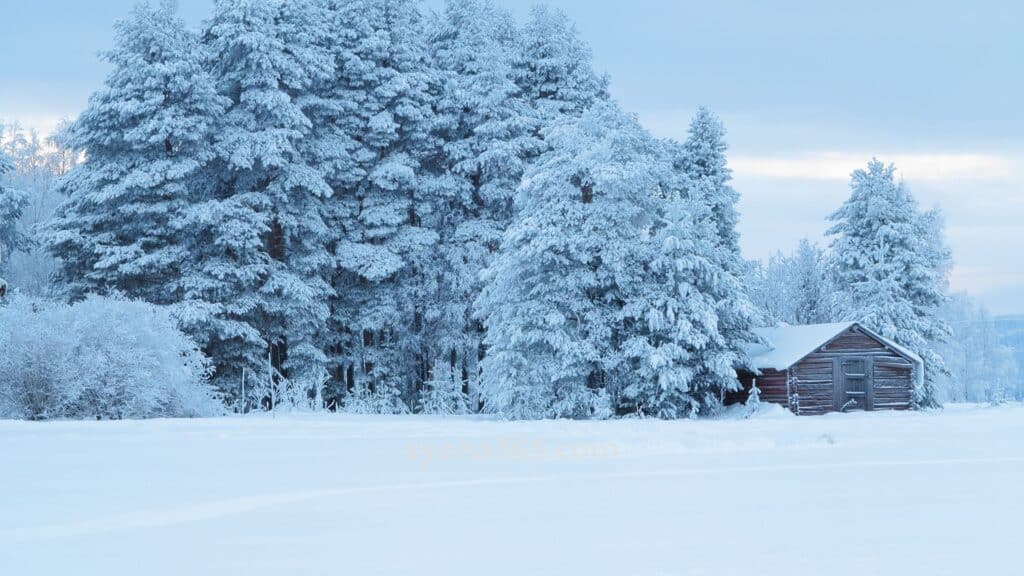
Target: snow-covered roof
(787, 345)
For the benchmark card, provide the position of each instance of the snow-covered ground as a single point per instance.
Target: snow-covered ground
(883, 493)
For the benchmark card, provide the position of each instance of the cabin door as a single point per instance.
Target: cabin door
(855, 384)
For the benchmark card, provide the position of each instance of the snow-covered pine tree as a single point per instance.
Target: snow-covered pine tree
(482, 128)
(892, 262)
(553, 79)
(770, 289)
(12, 202)
(257, 285)
(703, 158)
(146, 134)
(554, 68)
(554, 294)
(443, 394)
(681, 362)
(701, 164)
(795, 289)
(333, 144)
(383, 201)
(754, 396)
(811, 283)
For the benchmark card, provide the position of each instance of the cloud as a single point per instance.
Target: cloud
(839, 165)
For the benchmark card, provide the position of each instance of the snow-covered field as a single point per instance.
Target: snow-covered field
(883, 493)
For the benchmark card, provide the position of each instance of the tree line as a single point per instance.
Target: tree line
(353, 205)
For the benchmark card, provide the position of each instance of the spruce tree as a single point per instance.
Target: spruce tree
(703, 158)
(681, 363)
(555, 70)
(257, 286)
(701, 164)
(554, 295)
(146, 136)
(383, 202)
(891, 261)
(481, 128)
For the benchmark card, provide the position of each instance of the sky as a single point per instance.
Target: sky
(809, 91)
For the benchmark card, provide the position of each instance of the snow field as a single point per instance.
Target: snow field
(880, 493)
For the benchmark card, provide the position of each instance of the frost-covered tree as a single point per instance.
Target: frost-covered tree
(690, 315)
(443, 393)
(754, 396)
(146, 135)
(555, 292)
(38, 163)
(374, 398)
(794, 289)
(980, 368)
(383, 199)
(770, 288)
(257, 293)
(703, 158)
(554, 68)
(681, 363)
(891, 261)
(482, 128)
(701, 164)
(12, 203)
(811, 283)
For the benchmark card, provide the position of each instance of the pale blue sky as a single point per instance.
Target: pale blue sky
(809, 91)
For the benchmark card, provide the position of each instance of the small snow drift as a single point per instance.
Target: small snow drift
(823, 368)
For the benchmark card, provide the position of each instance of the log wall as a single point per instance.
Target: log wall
(771, 383)
(891, 375)
(812, 387)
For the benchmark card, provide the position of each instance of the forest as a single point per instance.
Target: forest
(361, 206)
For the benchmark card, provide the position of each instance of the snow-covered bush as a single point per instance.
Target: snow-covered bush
(443, 394)
(381, 399)
(99, 358)
(754, 396)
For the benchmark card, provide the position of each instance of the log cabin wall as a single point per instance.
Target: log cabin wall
(893, 380)
(771, 383)
(815, 384)
(819, 376)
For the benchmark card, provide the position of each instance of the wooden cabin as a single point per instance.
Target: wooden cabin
(831, 368)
